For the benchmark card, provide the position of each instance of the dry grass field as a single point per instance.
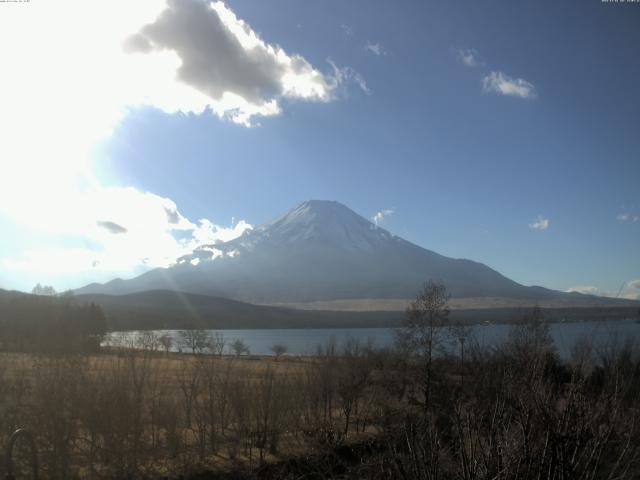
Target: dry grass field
(463, 303)
(155, 414)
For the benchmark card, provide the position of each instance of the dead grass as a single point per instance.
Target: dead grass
(156, 405)
(466, 303)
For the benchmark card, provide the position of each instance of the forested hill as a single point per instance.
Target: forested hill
(163, 309)
(49, 323)
(39, 318)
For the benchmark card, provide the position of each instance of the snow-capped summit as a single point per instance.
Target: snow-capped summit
(325, 221)
(321, 222)
(320, 250)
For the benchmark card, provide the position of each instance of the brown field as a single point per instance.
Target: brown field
(155, 414)
(468, 303)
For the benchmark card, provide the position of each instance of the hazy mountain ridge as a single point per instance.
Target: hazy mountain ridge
(162, 309)
(321, 250)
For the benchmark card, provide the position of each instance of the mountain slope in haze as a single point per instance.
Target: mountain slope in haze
(320, 250)
(161, 309)
(158, 309)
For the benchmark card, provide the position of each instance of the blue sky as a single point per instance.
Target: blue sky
(474, 122)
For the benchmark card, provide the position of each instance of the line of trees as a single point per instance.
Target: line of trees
(196, 342)
(48, 323)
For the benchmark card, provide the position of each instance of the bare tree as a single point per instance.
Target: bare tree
(166, 341)
(218, 342)
(278, 350)
(461, 332)
(196, 340)
(423, 332)
(239, 347)
(148, 341)
(530, 340)
(352, 379)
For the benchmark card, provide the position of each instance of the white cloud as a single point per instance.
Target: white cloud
(540, 223)
(585, 289)
(345, 75)
(627, 217)
(629, 290)
(347, 30)
(375, 48)
(501, 84)
(72, 70)
(223, 59)
(468, 56)
(208, 233)
(380, 216)
(143, 230)
(632, 290)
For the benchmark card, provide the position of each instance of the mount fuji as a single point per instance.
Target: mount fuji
(321, 251)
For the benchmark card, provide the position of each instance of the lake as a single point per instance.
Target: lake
(305, 341)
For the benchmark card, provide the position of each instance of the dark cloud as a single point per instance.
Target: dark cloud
(137, 43)
(238, 73)
(213, 60)
(172, 216)
(112, 227)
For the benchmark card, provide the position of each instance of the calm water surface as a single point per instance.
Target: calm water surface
(306, 341)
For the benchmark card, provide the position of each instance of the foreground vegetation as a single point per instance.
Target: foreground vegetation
(412, 412)
(514, 413)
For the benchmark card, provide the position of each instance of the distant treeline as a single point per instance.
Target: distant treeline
(47, 323)
(555, 314)
(163, 309)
